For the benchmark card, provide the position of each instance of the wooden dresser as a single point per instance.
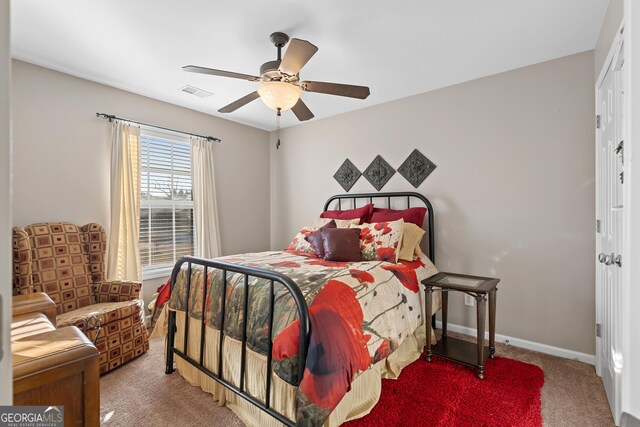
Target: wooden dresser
(55, 367)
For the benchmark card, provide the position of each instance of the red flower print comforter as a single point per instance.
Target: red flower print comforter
(360, 313)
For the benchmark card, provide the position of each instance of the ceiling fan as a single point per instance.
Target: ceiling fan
(281, 86)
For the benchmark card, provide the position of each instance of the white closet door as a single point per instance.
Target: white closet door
(609, 210)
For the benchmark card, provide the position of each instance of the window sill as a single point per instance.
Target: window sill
(156, 273)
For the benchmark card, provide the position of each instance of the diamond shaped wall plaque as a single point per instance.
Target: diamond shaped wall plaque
(378, 172)
(347, 175)
(416, 168)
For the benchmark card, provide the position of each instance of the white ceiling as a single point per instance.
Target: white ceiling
(396, 48)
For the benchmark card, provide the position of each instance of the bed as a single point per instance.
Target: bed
(317, 336)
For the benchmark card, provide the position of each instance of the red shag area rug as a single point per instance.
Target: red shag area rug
(442, 393)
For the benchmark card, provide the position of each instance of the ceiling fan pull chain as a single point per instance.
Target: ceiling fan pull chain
(278, 129)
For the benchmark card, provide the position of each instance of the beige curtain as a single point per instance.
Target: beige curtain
(204, 198)
(123, 259)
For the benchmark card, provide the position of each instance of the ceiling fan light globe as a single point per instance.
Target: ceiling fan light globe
(279, 95)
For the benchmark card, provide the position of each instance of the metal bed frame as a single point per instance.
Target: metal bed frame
(273, 277)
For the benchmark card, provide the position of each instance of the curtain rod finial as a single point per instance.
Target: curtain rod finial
(106, 116)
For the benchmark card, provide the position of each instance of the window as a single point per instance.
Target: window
(166, 205)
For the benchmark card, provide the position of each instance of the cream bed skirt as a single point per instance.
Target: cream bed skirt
(358, 402)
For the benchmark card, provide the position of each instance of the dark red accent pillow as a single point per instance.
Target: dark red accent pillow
(413, 215)
(315, 238)
(363, 213)
(341, 244)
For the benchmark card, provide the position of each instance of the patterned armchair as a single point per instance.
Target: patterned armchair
(67, 263)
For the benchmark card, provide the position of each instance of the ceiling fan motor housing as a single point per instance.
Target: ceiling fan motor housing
(269, 68)
(269, 71)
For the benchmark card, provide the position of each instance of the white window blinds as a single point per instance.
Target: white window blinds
(166, 204)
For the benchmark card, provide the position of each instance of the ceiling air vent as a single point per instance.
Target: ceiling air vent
(195, 91)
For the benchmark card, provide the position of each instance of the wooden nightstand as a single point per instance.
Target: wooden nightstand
(468, 353)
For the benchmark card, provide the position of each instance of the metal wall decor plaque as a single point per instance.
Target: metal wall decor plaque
(347, 175)
(416, 168)
(379, 172)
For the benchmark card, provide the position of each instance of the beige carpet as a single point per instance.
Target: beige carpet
(140, 393)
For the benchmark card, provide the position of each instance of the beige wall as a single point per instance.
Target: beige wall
(610, 26)
(61, 155)
(6, 395)
(513, 191)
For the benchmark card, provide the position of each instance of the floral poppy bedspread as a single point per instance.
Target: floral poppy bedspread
(359, 312)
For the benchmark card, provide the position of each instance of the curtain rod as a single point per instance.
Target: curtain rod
(111, 118)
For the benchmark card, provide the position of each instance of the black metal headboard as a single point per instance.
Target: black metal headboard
(371, 197)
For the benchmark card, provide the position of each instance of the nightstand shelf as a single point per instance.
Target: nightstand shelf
(458, 350)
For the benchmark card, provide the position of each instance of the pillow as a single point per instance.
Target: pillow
(381, 241)
(315, 238)
(410, 245)
(412, 215)
(341, 244)
(363, 214)
(299, 242)
(340, 223)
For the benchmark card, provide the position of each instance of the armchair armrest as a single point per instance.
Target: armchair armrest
(37, 302)
(118, 290)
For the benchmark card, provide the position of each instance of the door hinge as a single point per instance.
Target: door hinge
(597, 225)
(620, 152)
(598, 330)
(598, 121)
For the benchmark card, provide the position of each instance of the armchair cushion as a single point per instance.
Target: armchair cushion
(105, 311)
(117, 290)
(123, 335)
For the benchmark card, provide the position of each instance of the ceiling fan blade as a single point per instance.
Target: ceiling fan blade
(298, 53)
(301, 111)
(239, 103)
(360, 92)
(222, 73)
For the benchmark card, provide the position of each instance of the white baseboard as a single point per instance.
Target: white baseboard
(529, 345)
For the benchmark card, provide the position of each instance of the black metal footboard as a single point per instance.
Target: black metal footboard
(273, 277)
